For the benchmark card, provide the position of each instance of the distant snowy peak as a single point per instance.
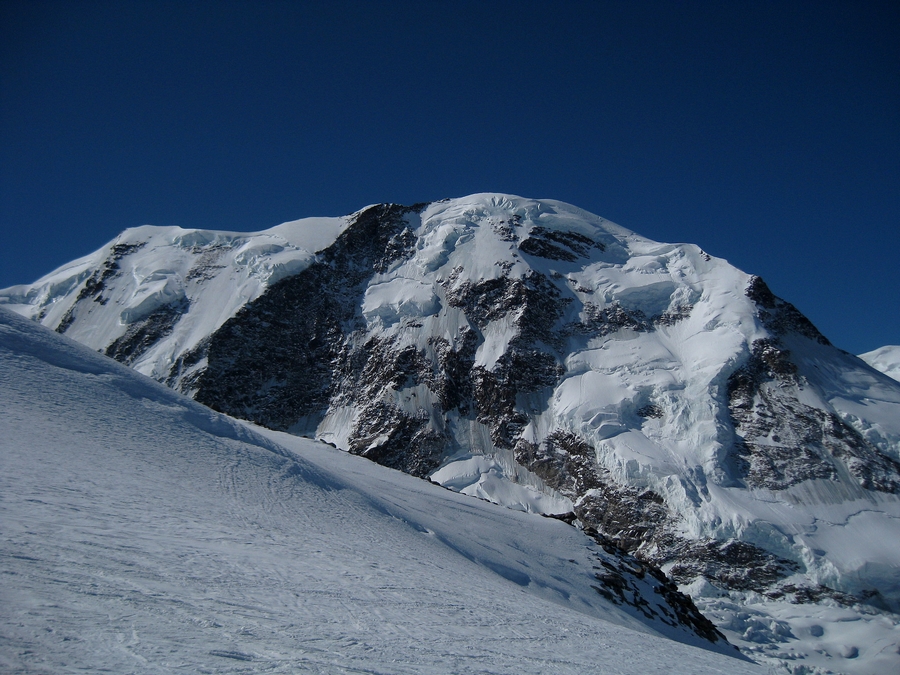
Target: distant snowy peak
(886, 359)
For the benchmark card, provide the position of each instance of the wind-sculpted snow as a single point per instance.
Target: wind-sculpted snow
(144, 533)
(535, 355)
(886, 359)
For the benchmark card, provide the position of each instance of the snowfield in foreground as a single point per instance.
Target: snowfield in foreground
(143, 533)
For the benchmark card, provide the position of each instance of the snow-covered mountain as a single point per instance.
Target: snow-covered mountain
(538, 356)
(143, 532)
(886, 359)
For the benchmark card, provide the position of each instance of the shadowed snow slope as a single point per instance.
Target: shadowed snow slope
(142, 532)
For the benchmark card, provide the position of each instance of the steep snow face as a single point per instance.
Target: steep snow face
(155, 293)
(886, 359)
(533, 354)
(144, 533)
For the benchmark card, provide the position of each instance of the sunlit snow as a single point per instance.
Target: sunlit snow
(886, 359)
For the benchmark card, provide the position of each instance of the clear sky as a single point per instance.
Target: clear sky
(768, 133)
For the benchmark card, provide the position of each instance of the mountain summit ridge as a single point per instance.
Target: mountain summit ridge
(533, 354)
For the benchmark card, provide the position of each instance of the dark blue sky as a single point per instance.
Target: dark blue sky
(766, 132)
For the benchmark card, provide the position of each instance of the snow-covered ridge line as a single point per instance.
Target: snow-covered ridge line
(530, 353)
(196, 279)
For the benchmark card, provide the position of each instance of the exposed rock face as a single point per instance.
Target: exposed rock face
(780, 316)
(276, 360)
(629, 517)
(618, 582)
(95, 284)
(557, 245)
(782, 441)
(664, 397)
(638, 520)
(144, 333)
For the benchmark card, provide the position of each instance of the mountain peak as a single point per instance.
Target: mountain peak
(536, 355)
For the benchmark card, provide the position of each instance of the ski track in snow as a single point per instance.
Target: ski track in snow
(141, 533)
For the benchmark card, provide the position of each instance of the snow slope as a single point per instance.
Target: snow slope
(142, 532)
(886, 359)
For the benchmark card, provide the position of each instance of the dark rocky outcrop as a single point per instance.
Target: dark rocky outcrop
(96, 283)
(628, 517)
(599, 321)
(558, 244)
(276, 361)
(144, 333)
(780, 316)
(731, 564)
(780, 441)
(618, 583)
(394, 438)
(207, 265)
(638, 521)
